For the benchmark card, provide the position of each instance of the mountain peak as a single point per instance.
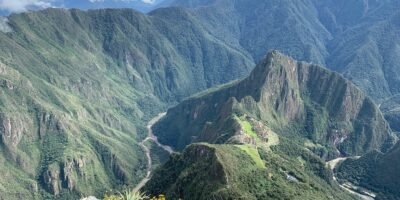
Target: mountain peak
(281, 92)
(274, 59)
(274, 56)
(314, 111)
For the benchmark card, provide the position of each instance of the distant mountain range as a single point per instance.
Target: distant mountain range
(10, 6)
(359, 38)
(283, 110)
(140, 5)
(78, 87)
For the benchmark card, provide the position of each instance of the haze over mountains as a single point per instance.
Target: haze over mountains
(11, 6)
(78, 87)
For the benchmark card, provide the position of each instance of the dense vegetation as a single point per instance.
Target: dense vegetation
(359, 39)
(273, 130)
(375, 171)
(284, 94)
(205, 171)
(78, 87)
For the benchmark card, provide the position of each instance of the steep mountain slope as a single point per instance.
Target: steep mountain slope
(372, 46)
(205, 171)
(270, 134)
(391, 109)
(375, 171)
(258, 26)
(8, 7)
(358, 39)
(292, 98)
(77, 88)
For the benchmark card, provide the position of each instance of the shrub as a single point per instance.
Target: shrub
(128, 195)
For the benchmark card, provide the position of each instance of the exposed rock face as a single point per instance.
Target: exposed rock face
(11, 130)
(6, 84)
(76, 88)
(390, 107)
(2, 69)
(64, 176)
(287, 95)
(359, 39)
(51, 179)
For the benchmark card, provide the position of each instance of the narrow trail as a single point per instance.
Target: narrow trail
(152, 137)
(332, 164)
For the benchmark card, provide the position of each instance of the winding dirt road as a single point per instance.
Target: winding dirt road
(332, 164)
(151, 136)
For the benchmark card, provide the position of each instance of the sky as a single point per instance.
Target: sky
(15, 6)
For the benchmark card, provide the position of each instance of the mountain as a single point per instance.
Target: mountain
(210, 171)
(375, 171)
(359, 39)
(290, 97)
(8, 7)
(392, 111)
(258, 26)
(284, 119)
(143, 6)
(77, 88)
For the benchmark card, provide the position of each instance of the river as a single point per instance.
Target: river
(152, 137)
(348, 187)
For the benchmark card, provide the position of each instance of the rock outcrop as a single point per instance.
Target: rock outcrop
(291, 98)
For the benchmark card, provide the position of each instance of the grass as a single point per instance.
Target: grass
(253, 153)
(273, 139)
(197, 174)
(246, 126)
(99, 90)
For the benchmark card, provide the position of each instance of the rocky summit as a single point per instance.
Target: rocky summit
(111, 103)
(284, 112)
(288, 97)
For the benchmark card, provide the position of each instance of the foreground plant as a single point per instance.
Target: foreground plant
(128, 195)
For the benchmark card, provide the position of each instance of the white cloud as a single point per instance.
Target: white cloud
(23, 5)
(149, 1)
(144, 1)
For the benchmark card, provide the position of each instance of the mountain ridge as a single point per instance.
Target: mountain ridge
(284, 94)
(207, 171)
(78, 87)
(358, 39)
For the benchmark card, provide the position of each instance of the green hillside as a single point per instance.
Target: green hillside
(358, 38)
(268, 135)
(78, 87)
(290, 97)
(205, 171)
(375, 171)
